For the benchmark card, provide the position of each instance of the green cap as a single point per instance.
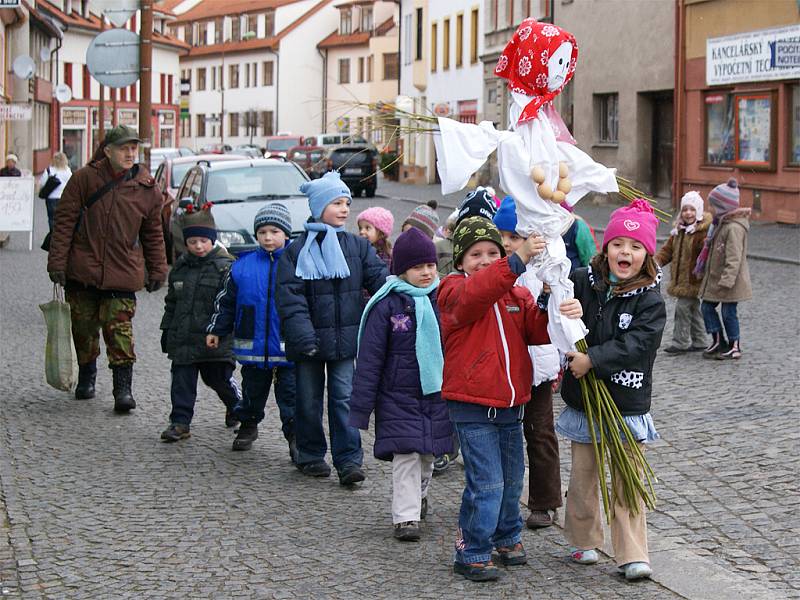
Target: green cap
(472, 230)
(122, 134)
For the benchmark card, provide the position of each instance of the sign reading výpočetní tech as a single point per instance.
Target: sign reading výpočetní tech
(764, 55)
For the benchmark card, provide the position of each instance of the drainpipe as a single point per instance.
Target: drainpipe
(678, 102)
(324, 55)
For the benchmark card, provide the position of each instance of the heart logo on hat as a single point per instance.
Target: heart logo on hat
(631, 225)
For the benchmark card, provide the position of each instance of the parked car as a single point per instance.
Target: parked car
(358, 166)
(238, 189)
(216, 149)
(158, 155)
(169, 176)
(333, 140)
(311, 159)
(248, 150)
(279, 145)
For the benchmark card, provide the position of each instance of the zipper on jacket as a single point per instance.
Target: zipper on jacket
(506, 352)
(336, 319)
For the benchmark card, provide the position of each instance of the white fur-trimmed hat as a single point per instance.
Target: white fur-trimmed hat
(695, 200)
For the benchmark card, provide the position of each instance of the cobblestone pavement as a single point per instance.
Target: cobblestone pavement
(97, 507)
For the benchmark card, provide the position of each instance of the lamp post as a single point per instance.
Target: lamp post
(247, 35)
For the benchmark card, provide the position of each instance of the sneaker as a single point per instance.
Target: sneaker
(351, 475)
(175, 433)
(407, 532)
(441, 463)
(230, 419)
(510, 557)
(315, 469)
(538, 519)
(585, 557)
(673, 349)
(423, 509)
(248, 434)
(477, 571)
(636, 570)
(697, 348)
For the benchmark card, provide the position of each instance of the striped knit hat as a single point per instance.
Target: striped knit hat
(725, 197)
(423, 218)
(276, 214)
(199, 223)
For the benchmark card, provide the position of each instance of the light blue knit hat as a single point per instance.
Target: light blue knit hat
(323, 191)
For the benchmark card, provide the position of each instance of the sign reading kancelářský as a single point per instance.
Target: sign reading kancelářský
(764, 55)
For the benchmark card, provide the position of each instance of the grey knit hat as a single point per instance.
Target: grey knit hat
(274, 213)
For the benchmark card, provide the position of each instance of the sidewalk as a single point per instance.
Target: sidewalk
(773, 242)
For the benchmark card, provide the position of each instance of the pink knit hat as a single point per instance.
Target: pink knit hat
(380, 218)
(636, 221)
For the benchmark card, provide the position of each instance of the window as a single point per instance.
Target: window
(446, 45)
(344, 70)
(606, 111)
(41, 126)
(418, 53)
(247, 75)
(236, 28)
(204, 38)
(233, 76)
(269, 23)
(218, 30)
(170, 87)
(267, 68)
(345, 21)
(491, 15)
(369, 67)
(473, 36)
(186, 127)
(459, 40)
(408, 35)
(252, 24)
(434, 45)
(201, 79)
(740, 129)
(213, 78)
(719, 129)
(794, 125)
(366, 18)
(267, 127)
(360, 69)
(391, 65)
(86, 84)
(233, 124)
(510, 12)
(187, 34)
(201, 125)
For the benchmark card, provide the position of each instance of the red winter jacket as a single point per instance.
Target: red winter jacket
(487, 326)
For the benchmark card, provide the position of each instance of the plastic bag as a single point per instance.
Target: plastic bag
(60, 362)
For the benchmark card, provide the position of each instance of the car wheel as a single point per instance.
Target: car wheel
(370, 192)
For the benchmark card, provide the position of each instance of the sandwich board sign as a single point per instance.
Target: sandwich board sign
(16, 205)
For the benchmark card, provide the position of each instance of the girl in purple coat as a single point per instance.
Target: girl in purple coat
(399, 376)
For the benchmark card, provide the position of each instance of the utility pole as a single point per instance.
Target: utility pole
(146, 77)
(101, 106)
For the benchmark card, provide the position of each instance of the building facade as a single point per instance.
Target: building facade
(738, 102)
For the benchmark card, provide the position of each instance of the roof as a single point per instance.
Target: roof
(357, 38)
(209, 9)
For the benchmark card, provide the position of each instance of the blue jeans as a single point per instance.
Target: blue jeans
(183, 389)
(494, 467)
(345, 440)
(50, 203)
(729, 317)
(255, 390)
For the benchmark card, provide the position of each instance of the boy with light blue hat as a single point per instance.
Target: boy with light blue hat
(321, 276)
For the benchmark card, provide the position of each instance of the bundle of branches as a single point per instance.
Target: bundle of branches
(610, 438)
(630, 193)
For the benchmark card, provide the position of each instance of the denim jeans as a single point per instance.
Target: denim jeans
(729, 318)
(183, 391)
(50, 203)
(494, 468)
(345, 440)
(255, 390)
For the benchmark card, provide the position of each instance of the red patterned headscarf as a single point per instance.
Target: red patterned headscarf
(524, 63)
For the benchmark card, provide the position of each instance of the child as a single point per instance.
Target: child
(723, 266)
(424, 218)
(246, 307)
(320, 302)
(399, 376)
(544, 468)
(682, 249)
(625, 314)
(444, 245)
(487, 324)
(375, 225)
(578, 239)
(478, 203)
(193, 284)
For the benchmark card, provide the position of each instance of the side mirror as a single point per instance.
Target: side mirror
(185, 203)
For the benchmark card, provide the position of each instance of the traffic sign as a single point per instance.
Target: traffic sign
(113, 58)
(118, 12)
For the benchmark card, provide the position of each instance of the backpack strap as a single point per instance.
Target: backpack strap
(99, 193)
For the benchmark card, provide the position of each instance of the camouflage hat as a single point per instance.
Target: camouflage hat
(472, 230)
(121, 134)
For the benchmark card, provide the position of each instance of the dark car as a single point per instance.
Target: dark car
(310, 158)
(238, 189)
(358, 166)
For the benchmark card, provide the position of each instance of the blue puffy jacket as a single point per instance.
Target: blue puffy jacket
(321, 316)
(246, 305)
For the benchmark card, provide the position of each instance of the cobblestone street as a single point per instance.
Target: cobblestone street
(97, 507)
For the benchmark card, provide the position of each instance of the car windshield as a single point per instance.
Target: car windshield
(252, 183)
(178, 171)
(351, 156)
(283, 144)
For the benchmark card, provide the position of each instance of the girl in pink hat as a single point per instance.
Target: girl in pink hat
(625, 314)
(375, 225)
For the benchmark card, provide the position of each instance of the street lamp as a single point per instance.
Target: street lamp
(247, 35)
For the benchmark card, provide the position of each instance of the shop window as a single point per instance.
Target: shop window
(794, 125)
(607, 117)
(719, 129)
(739, 129)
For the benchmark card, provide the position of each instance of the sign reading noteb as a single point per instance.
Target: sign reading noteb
(764, 55)
(10, 3)
(16, 205)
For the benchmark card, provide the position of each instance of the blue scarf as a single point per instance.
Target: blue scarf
(324, 260)
(429, 341)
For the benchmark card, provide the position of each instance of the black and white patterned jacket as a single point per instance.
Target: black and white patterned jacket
(624, 334)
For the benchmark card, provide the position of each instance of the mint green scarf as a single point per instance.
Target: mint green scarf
(429, 341)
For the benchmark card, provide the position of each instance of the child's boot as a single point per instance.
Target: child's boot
(248, 433)
(735, 351)
(175, 432)
(478, 571)
(510, 557)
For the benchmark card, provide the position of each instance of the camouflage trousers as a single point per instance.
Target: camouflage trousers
(94, 310)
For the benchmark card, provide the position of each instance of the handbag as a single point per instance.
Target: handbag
(60, 362)
(49, 186)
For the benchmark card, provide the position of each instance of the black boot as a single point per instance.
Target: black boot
(86, 377)
(123, 399)
(248, 433)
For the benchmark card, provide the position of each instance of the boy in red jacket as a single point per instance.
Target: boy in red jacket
(487, 325)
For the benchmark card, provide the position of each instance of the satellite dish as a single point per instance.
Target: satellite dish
(113, 58)
(24, 67)
(62, 93)
(44, 53)
(118, 12)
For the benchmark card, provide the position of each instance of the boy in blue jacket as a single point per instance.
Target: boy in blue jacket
(246, 306)
(320, 281)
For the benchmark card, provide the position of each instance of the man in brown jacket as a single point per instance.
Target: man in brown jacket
(107, 230)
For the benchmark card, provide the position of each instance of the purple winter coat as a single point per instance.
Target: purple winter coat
(387, 381)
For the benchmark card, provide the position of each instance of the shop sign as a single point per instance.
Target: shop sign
(16, 112)
(764, 55)
(9, 3)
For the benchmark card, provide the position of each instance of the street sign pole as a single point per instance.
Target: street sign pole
(146, 77)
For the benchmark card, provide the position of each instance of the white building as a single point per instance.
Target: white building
(253, 68)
